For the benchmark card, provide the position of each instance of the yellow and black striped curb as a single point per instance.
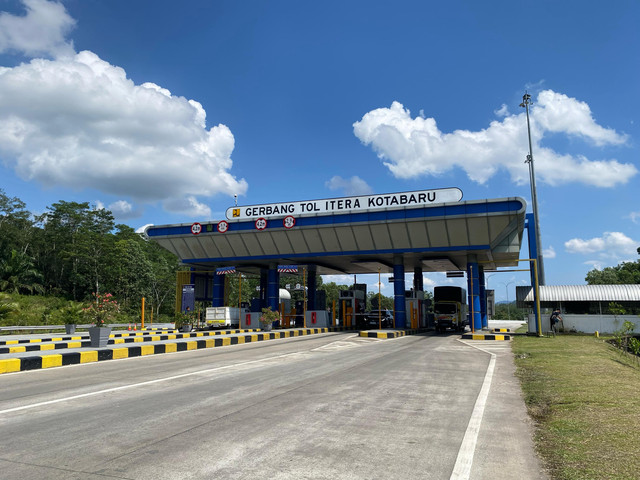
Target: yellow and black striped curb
(389, 334)
(72, 358)
(501, 330)
(143, 336)
(476, 336)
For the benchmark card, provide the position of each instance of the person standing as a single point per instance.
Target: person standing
(555, 319)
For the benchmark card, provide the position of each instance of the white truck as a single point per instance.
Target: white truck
(450, 308)
(223, 317)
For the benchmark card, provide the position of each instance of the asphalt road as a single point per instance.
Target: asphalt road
(330, 406)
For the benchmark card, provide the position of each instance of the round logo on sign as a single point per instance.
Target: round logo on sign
(261, 223)
(288, 221)
(223, 226)
(196, 228)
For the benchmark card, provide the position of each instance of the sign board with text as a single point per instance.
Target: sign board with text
(356, 204)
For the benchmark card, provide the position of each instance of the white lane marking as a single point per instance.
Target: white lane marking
(462, 467)
(148, 382)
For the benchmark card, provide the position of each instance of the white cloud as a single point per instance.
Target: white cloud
(549, 253)
(41, 31)
(634, 216)
(503, 111)
(352, 186)
(189, 206)
(94, 128)
(612, 245)
(123, 210)
(411, 147)
(557, 112)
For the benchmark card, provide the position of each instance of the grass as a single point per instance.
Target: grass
(584, 396)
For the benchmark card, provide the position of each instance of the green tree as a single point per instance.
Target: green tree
(623, 274)
(372, 301)
(16, 227)
(19, 275)
(133, 273)
(74, 247)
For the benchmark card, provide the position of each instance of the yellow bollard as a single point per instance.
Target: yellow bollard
(597, 334)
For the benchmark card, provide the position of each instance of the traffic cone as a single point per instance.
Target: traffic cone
(129, 327)
(134, 326)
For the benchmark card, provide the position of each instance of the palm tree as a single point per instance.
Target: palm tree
(18, 274)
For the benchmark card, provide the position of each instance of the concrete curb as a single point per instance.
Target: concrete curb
(390, 334)
(141, 334)
(474, 336)
(71, 358)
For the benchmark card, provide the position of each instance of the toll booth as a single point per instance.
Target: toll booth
(416, 309)
(318, 319)
(351, 307)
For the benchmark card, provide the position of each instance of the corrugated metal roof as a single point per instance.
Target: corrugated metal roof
(581, 293)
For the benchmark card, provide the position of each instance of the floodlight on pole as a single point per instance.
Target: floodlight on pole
(526, 101)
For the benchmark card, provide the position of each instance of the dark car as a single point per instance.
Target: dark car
(385, 317)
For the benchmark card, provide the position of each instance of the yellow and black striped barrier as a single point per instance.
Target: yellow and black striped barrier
(389, 333)
(483, 336)
(143, 336)
(501, 330)
(73, 358)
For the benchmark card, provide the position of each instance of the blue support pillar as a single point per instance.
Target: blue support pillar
(483, 299)
(399, 302)
(473, 283)
(218, 291)
(311, 287)
(273, 289)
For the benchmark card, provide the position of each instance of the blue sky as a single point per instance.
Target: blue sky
(162, 111)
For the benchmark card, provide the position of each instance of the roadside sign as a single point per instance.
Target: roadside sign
(289, 221)
(261, 223)
(196, 228)
(223, 226)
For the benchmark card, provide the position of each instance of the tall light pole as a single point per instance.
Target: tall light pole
(506, 290)
(526, 101)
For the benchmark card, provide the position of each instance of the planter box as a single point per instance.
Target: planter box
(99, 336)
(70, 328)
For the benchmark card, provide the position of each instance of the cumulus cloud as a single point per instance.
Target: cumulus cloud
(123, 210)
(79, 122)
(351, 186)
(74, 120)
(612, 245)
(634, 216)
(189, 206)
(41, 31)
(411, 147)
(549, 253)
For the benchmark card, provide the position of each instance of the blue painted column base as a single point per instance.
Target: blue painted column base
(399, 302)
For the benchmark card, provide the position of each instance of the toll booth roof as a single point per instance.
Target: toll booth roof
(439, 237)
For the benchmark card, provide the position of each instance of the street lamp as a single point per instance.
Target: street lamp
(506, 289)
(526, 100)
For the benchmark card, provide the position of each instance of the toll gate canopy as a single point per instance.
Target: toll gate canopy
(418, 231)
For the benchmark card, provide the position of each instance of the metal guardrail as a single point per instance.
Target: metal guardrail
(50, 327)
(18, 328)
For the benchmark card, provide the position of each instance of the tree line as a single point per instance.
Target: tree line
(74, 250)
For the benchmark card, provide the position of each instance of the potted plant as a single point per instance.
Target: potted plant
(184, 322)
(71, 315)
(267, 319)
(100, 312)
